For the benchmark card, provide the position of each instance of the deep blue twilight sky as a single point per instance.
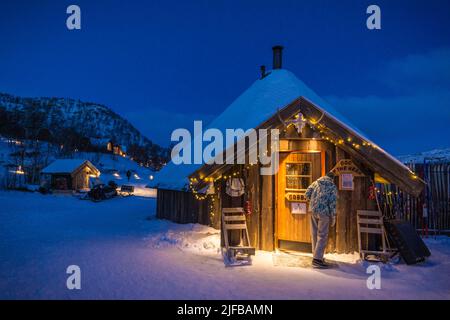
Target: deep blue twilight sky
(162, 64)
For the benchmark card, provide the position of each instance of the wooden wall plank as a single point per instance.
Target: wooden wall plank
(252, 187)
(267, 213)
(181, 207)
(342, 207)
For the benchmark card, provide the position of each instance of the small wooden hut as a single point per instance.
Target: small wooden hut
(314, 139)
(69, 174)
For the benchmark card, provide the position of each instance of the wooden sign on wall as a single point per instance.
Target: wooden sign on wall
(347, 166)
(346, 181)
(299, 207)
(346, 170)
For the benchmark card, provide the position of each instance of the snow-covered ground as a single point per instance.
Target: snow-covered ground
(125, 253)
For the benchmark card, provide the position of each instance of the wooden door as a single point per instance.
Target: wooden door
(297, 171)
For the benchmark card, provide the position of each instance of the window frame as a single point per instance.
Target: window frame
(286, 175)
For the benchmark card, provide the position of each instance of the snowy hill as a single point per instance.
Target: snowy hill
(112, 167)
(437, 154)
(90, 120)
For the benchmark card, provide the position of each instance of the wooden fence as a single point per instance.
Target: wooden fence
(181, 207)
(428, 213)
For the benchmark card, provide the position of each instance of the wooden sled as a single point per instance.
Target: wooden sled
(233, 219)
(371, 222)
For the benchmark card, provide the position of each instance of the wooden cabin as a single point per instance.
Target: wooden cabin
(69, 174)
(314, 139)
(109, 145)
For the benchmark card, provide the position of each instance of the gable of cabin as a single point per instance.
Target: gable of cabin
(321, 146)
(330, 129)
(64, 174)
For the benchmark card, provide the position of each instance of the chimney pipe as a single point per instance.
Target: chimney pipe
(263, 71)
(277, 57)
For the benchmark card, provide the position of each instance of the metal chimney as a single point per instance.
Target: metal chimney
(263, 71)
(277, 57)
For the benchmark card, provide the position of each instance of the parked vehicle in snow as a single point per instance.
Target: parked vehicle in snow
(102, 192)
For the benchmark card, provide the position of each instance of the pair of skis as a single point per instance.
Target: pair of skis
(441, 196)
(437, 194)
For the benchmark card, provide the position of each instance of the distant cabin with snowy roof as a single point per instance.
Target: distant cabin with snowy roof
(108, 145)
(314, 139)
(68, 174)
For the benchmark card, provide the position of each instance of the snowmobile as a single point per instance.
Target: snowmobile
(102, 192)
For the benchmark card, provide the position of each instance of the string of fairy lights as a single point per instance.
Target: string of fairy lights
(211, 197)
(337, 141)
(325, 133)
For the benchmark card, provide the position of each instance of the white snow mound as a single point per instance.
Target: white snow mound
(190, 237)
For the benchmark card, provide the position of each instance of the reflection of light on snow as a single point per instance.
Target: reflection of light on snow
(136, 176)
(18, 172)
(16, 142)
(151, 177)
(115, 174)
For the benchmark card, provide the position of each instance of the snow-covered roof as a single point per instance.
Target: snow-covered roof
(65, 165)
(251, 108)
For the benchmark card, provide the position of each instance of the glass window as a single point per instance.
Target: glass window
(302, 169)
(298, 176)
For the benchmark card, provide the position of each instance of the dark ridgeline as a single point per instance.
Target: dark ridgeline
(75, 125)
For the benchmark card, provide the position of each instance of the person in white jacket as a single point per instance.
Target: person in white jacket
(322, 197)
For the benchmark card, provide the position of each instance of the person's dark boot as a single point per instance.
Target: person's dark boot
(319, 264)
